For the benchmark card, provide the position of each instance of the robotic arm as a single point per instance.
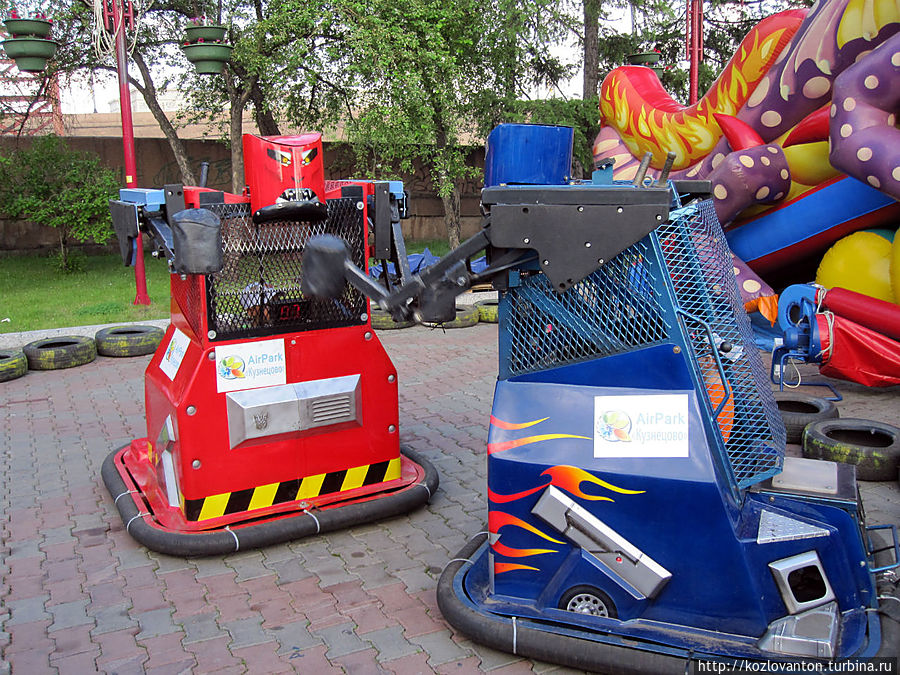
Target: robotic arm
(564, 231)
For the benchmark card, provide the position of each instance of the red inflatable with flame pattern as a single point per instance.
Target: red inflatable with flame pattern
(802, 121)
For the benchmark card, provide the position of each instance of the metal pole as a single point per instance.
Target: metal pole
(694, 35)
(140, 279)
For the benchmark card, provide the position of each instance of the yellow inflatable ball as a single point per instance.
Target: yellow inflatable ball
(859, 262)
(895, 269)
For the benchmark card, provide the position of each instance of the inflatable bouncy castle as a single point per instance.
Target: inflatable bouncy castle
(798, 134)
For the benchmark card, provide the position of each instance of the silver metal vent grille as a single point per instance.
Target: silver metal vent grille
(328, 410)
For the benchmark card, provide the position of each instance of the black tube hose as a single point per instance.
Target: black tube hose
(504, 634)
(889, 613)
(264, 533)
(521, 638)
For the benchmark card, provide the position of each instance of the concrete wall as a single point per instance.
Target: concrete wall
(156, 166)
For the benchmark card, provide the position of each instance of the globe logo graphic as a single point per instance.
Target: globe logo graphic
(614, 426)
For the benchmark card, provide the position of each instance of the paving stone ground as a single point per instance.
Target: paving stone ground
(79, 595)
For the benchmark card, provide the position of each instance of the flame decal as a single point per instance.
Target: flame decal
(511, 426)
(502, 499)
(498, 519)
(568, 478)
(507, 445)
(501, 567)
(509, 552)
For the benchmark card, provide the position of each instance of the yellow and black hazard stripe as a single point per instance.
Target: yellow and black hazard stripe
(308, 487)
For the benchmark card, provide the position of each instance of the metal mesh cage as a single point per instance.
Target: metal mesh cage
(188, 295)
(612, 310)
(257, 292)
(700, 270)
(682, 270)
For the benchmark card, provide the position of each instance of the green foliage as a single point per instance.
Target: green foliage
(424, 79)
(51, 184)
(581, 115)
(71, 262)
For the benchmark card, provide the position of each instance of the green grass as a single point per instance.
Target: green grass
(34, 296)
(438, 247)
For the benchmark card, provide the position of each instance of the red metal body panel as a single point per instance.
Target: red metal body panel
(192, 196)
(273, 164)
(203, 436)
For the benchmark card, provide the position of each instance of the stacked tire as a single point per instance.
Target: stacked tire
(13, 364)
(69, 351)
(466, 316)
(873, 447)
(815, 423)
(799, 410)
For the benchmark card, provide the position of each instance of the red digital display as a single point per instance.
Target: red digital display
(289, 311)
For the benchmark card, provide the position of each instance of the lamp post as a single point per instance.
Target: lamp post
(116, 17)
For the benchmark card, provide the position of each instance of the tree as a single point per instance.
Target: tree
(430, 76)
(591, 49)
(51, 184)
(284, 65)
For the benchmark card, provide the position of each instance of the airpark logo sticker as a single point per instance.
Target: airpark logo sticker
(248, 365)
(641, 426)
(174, 354)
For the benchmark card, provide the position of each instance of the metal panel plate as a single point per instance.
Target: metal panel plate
(807, 475)
(573, 240)
(775, 527)
(290, 408)
(813, 633)
(636, 568)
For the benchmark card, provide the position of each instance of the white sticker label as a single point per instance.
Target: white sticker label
(654, 425)
(250, 364)
(174, 354)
